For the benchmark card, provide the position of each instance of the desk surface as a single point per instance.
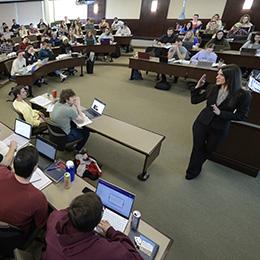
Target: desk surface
(60, 198)
(135, 137)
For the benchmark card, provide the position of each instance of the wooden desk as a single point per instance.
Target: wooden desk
(123, 40)
(98, 49)
(3, 59)
(133, 137)
(179, 70)
(248, 61)
(60, 198)
(50, 66)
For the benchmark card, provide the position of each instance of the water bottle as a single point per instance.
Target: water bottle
(70, 167)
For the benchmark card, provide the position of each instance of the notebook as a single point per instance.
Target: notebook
(47, 159)
(96, 109)
(118, 204)
(22, 134)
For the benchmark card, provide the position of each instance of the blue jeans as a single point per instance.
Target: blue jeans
(76, 134)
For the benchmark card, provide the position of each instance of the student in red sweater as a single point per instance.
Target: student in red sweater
(70, 234)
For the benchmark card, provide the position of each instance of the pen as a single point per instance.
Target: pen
(52, 169)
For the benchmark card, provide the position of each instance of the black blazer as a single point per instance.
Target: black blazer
(234, 107)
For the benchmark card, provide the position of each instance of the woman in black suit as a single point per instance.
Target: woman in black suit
(226, 101)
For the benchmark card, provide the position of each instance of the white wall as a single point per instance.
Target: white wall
(69, 8)
(123, 9)
(24, 12)
(205, 8)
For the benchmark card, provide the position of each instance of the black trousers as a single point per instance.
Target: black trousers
(205, 141)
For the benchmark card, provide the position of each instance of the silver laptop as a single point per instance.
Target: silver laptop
(22, 134)
(118, 204)
(47, 160)
(96, 110)
(204, 63)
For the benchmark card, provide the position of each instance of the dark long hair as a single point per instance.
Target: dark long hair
(233, 77)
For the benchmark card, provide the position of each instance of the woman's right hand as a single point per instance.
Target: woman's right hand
(201, 81)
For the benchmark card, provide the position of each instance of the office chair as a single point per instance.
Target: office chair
(59, 137)
(37, 130)
(12, 237)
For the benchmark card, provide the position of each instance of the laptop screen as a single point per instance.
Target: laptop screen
(98, 106)
(45, 148)
(22, 128)
(115, 198)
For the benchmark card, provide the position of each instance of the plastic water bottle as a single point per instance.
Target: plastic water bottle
(70, 167)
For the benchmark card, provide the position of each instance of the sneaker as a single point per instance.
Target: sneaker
(63, 77)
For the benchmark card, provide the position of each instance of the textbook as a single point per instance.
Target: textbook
(146, 247)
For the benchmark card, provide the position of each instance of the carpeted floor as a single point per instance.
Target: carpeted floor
(215, 216)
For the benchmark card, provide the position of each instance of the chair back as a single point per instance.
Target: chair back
(56, 134)
(11, 237)
(8, 65)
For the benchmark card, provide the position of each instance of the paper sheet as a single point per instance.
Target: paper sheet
(3, 148)
(39, 180)
(21, 141)
(87, 121)
(41, 101)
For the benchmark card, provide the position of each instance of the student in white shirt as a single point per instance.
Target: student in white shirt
(124, 30)
(116, 24)
(19, 65)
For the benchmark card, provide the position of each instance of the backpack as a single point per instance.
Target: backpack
(87, 167)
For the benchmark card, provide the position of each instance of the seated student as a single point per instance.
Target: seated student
(70, 233)
(19, 65)
(7, 34)
(32, 30)
(190, 38)
(76, 29)
(31, 116)
(212, 27)
(220, 42)
(123, 30)
(103, 24)
(65, 112)
(15, 27)
(237, 32)
(22, 205)
(54, 40)
(244, 23)
(187, 27)
(117, 24)
(23, 32)
(89, 25)
(42, 25)
(106, 35)
(253, 43)
(90, 38)
(24, 43)
(207, 54)
(46, 52)
(216, 18)
(177, 51)
(4, 27)
(6, 46)
(167, 38)
(196, 23)
(63, 29)
(66, 48)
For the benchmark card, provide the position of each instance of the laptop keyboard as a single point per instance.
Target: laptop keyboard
(117, 222)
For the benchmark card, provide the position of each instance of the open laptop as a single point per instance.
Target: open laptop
(105, 41)
(204, 63)
(47, 159)
(96, 109)
(22, 134)
(248, 51)
(118, 204)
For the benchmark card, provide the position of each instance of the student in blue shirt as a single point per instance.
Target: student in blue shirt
(206, 54)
